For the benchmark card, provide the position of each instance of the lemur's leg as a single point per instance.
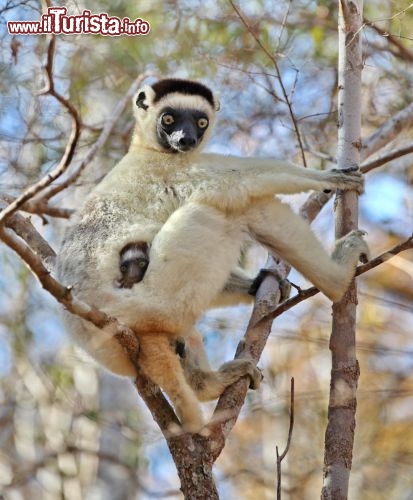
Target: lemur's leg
(190, 260)
(207, 383)
(160, 363)
(277, 227)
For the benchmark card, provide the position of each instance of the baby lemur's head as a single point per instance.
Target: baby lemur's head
(174, 116)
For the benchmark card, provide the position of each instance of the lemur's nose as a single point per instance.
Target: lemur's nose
(187, 142)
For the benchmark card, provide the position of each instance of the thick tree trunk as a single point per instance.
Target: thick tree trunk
(339, 436)
(194, 461)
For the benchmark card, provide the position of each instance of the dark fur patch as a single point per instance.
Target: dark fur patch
(169, 85)
(180, 348)
(140, 101)
(138, 245)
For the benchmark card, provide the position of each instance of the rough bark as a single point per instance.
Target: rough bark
(339, 437)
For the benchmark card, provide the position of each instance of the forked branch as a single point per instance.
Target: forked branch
(70, 146)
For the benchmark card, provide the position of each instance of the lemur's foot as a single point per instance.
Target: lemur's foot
(284, 284)
(234, 370)
(351, 243)
(256, 378)
(346, 178)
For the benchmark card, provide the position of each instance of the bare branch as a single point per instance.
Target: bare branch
(40, 207)
(339, 435)
(380, 138)
(251, 346)
(388, 131)
(70, 146)
(273, 60)
(281, 457)
(64, 295)
(24, 228)
(105, 133)
(396, 47)
(385, 256)
(313, 205)
(384, 158)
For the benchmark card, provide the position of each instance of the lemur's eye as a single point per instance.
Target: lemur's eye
(203, 123)
(123, 268)
(167, 119)
(142, 263)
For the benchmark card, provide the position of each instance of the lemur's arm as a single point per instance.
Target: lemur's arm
(261, 177)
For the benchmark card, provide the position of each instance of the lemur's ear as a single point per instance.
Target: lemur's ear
(140, 100)
(144, 97)
(217, 103)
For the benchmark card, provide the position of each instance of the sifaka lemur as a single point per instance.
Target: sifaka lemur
(194, 210)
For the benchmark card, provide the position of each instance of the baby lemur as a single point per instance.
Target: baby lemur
(133, 263)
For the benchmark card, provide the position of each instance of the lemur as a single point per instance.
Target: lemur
(133, 263)
(194, 209)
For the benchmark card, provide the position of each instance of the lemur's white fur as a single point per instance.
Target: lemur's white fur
(195, 209)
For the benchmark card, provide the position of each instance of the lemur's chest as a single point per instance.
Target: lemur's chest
(154, 191)
(170, 194)
(161, 196)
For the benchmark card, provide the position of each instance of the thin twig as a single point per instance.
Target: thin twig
(105, 133)
(70, 146)
(281, 457)
(387, 131)
(272, 58)
(400, 50)
(40, 207)
(381, 137)
(384, 158)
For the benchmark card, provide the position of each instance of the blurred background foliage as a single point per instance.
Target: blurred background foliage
(69, 430)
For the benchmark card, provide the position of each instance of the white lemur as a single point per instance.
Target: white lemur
(195, 210)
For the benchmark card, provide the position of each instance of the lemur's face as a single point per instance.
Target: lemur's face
(175, 116)
(181, 130)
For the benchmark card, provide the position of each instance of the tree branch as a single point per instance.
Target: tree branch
(339, 435)
(40, 207)
(399, 49)
(281, 457)
(251, 347)
(70, 146)
(64, 295)
(273, 60)
(24, 228)
(384, 158)
(105, 133)
(388, 131)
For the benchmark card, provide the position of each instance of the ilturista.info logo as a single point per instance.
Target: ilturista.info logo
(56, 22)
